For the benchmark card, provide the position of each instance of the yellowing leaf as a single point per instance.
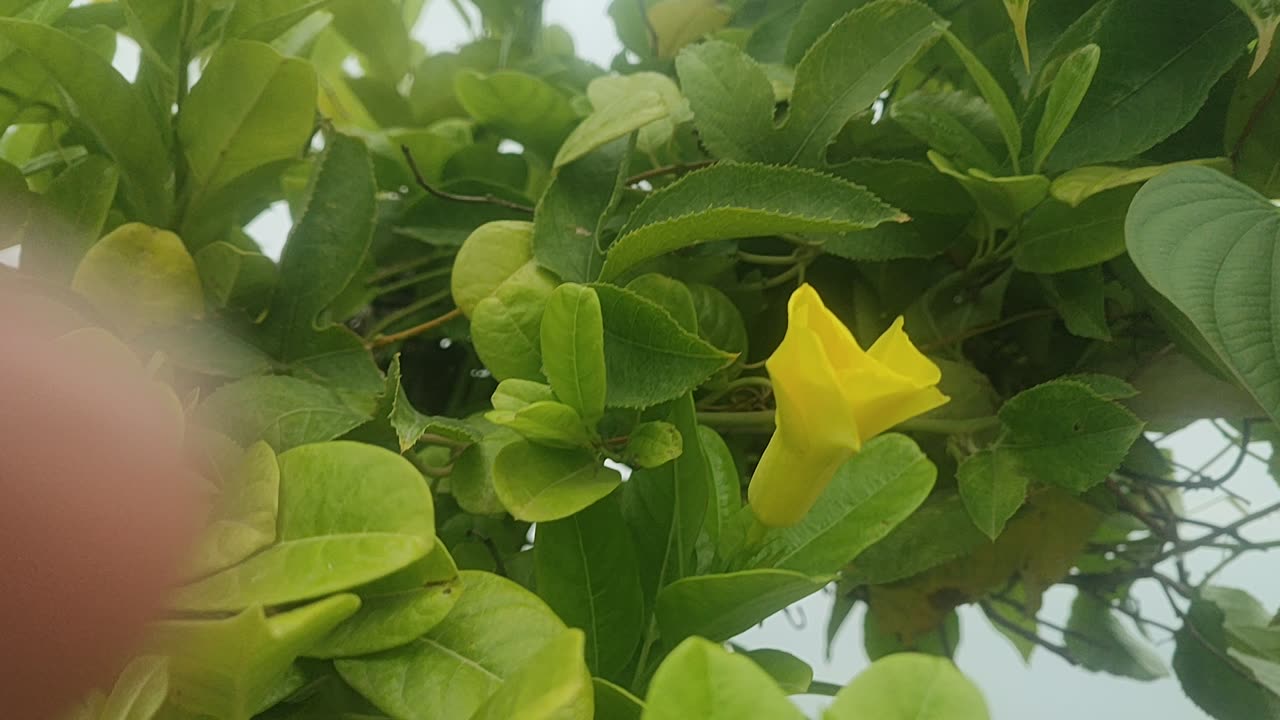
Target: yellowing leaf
(142, 277)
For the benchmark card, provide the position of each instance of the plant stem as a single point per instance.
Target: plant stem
(432, 324)
(406, 311)
(679, 168)
(486, 199)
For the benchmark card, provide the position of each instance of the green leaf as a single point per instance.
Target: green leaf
(141, 277)
(496, 259)
(939, 531)
(909, 686)
(652, 444)
(349, 514)
(941, 641)
(572, 335)
(546, 423)
(676, 23)
(995, 96)
(868, 497)
(791, 673)
(390, 619)
(615, 703)
(993, 486)
(724, 481)
(266, 20)
(1076, 186)
(587, 572)
(109, 107)
(731, 99)
(326, 246)
(846, 70)
(952, 123)
(1002, 200)
(243, 515)
(139, 691)
(605, 91)
(375, 29)
(720, 323)
(252, 107)
(285, 412)
(670, 294)
(1080, 298)
(553, 685)
(471, 481)
(1149, 84)
(1215, 682)
(625, 115)
(525, 108)
(81, 197)
(1069, 87)
(1071, 435)
(228, 668)
(1098, 640)
(409, 425)
(719, 606)
(537, 483)
(1057, 238)
(567, 224)
(666, 506)
(700, 679)
(451, 671)
(1206, 242)
(234, 277)
(505, 332)
(729, 201)
(649, 358)
(516, 394)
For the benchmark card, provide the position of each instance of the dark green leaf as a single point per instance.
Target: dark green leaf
(993, 486)
(1101, 643)
(718, 607)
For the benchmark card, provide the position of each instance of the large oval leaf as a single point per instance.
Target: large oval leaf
(700, 679)
(909, 686)
(1208, 243)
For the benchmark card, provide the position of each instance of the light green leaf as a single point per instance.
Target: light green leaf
(1002, 200)
(719, 606)
(724, 482)
(139, 691)
(652, 444)
(677, 23)
(537, 483)
(625, 115)
(285, 412)
(553, 685)
(572, 335)
(1207, 243)
(1071, 435)
(739, 200)
(326, 246)
(700, 679)
(605, 91)
(526, 108)
(1057, 237)
(495, 260)
(252, 107)
(109, 107)
(505, 331)
(993, 486)
(1149, 84)
(1076, 186)
(375, 29)
(1098, 640)
(235, 277)
(672, 295)
(516, 394)
(868, 497)
(228, 668)
(845, 71)
(81, 197)
(244, 514)
(546, 423)
(909, 686)
(791, 673)
(471, 481)
(586, 571)
(1073, 80)
(649, 358)
(398, 616)
(731, 99)
(1010, 128)
(266, 20)
(567, 224)
(451, 671)
(142, 277)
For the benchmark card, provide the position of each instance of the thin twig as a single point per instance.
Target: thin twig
(1059, 650)
(432, 324)
(678, 169)
(486, 199)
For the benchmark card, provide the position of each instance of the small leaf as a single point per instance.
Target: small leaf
(677, 23)
(1080, 298)
(572, 335)
(672, 295)
(1002, 200)
(234, 277)
(995, 97)
(268, 19)
(505, 332)
(653, 444)
(1065, 95)
(1101, 644)
(546, 423)
(700, 679)
(526, 108)
(1207, 243)
(1056, 237)
(909, 686)
(1072, 436)
(1076, 186)
(625, 115)
(586, 571)
(653, 137)
(720, 606)
(791, 673)
(538, 484)
(993, 487)
(649, 358)
(732, 201)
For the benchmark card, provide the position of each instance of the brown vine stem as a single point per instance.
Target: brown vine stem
(678, 169)
(455, 197)
(432, 324)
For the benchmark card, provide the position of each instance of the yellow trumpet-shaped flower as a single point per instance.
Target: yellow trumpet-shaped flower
(832, 396)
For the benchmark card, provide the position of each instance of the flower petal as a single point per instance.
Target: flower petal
(895, 350)
(840, 347)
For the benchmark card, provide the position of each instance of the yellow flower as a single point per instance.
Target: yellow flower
(832, 396)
